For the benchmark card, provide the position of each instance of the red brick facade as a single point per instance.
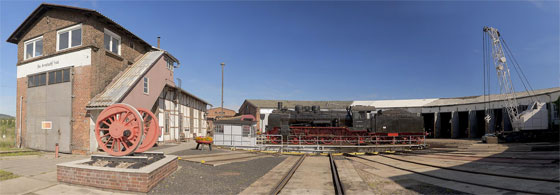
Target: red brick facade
(116, 180)
(87, 80)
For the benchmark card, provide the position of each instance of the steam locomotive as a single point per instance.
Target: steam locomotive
(356, 125)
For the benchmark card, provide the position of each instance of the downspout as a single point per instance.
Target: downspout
(20, 120)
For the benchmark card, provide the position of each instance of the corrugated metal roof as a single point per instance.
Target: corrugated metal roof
(292, 103)
(407, 103)
(123, 83)
(395, 103)
(480, 99)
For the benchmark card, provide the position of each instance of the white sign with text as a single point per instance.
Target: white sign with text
(77, 58)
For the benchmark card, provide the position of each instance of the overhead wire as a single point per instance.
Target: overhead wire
(520, 73)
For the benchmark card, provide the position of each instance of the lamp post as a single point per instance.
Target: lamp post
(222, 110)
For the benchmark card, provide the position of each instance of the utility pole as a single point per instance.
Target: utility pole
(222, 110)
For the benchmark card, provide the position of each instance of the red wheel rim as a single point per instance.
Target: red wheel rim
(119, 129)
(273, 139)
(295, 140)
(151, 130)
(327, 140)
(311, 140)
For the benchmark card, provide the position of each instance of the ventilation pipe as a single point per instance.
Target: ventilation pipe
(20, 120)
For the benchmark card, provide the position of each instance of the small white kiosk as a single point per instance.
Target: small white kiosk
(235, 131)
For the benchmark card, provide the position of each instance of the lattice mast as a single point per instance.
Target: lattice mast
(504, 77)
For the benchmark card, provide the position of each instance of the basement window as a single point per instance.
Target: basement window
(69, 37)
(33, 48)
(146, 85)
(37, 80)
(112, 42)
(59, 76)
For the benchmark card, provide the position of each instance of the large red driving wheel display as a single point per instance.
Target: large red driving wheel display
(119, 129)
(151, 130)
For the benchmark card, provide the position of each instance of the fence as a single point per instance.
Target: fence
(327, 140)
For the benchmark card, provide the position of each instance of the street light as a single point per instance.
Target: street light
(222, 112)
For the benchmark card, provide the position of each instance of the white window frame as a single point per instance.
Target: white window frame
(34, 42)
(77, 26)
(146, 86)
(112, 35)
(170, 63)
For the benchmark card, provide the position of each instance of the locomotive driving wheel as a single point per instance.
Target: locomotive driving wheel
(273, 139)
(327, 140)
(119, 129)
(151, 130)
(294, 140)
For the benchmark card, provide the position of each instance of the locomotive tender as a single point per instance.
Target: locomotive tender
(356, 125)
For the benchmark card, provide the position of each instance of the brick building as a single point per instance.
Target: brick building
(71, 59)
(215, 113)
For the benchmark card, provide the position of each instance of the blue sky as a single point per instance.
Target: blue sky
(324, 50)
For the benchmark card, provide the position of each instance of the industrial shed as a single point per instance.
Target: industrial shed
(459, 117)
(235, 131)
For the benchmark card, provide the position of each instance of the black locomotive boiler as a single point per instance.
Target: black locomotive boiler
(355, 125)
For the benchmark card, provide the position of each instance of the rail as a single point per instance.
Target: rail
(336, 179)
(288, 176)
(445, 178)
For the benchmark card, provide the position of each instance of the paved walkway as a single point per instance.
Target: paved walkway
(38, 173)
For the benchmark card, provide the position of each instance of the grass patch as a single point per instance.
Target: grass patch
(12, 149)
(5, 175)
(7, 133)
(20, 153)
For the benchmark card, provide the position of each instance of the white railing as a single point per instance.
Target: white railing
(264, 140)
(341, 140)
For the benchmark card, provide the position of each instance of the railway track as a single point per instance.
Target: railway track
(473, 172)
(337, 184)
(462, 181)
(475, 156)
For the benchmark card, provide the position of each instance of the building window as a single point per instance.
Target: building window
(37, 80)
(169, 63)
(146, 85)
(59, 76)
(112, 42)
(246, 130)
(166, 122)
(69, 37)
(33, 48)
(219, 129)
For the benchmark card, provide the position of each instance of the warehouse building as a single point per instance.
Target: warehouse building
(461, 117)
(73, 62)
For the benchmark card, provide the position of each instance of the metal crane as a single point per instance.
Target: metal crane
(535, 117)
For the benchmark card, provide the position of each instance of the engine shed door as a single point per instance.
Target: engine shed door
(49, 104)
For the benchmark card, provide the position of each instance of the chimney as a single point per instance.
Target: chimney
(158, 42)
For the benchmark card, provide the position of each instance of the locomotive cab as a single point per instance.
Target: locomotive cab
(361, 117)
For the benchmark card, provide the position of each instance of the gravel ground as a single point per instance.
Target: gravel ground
(162, 146)
(193, 151)
(195, 178)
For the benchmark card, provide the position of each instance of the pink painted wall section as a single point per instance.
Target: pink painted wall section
(157, 76)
